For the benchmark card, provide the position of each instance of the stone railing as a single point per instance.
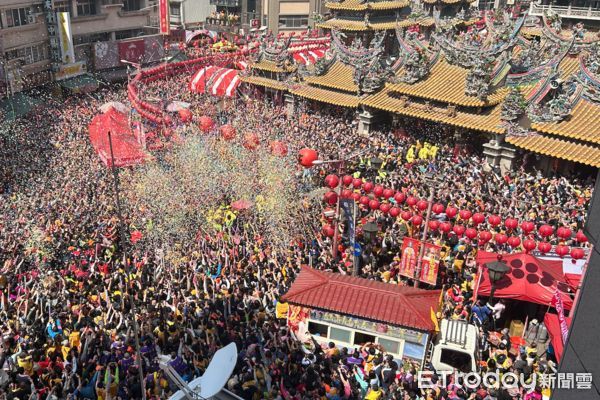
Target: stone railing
(565, 12)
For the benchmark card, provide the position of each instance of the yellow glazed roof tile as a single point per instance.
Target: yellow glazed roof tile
(266, 82)
(357, 26)
(566, 150)
(582, 124)
(358, 5)
(271, 66)
(325, 96)
(339, 76)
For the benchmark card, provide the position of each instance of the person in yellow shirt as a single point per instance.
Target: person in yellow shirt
(375, 393)
(281, 310)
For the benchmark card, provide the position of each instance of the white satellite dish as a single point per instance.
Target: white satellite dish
(215, 377)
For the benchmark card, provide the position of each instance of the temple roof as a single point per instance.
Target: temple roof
(566, 150)
(265, 82)
(359, 5)
(582, 124)
(354, 26)
(271, 66)
(339, 76)
(325, 96)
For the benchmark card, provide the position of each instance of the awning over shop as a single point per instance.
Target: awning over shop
(80, 84)
(553, 325)
(18, 105)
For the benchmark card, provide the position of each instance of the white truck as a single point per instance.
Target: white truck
(455, 347)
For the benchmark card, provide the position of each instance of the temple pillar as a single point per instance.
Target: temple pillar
(499, 153)
(290, 103)
(365, 120)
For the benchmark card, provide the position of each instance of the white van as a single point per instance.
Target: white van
(455, 347)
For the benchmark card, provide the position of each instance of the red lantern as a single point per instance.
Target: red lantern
(464, 214)
(500, 238)
(356, 196)
(459, 230)
(399, 197)
(368, 187)
(434, 225)
(279, 148)
(544, 247)
(511, 223)
(451, 211)
(546, 230)
(563, 232)
(374, 204)
(206, 123)
(378, 190)
(580, 237)
(485, 236)
(514, 241)
(528, 245)
(577, 253)
(527, 226)
(494, 220)
(227, 132)
(417, 220)
(562, 250)
(356, 183)
(471, 233)
(388, 193)
(347, 180)
(364, 200)
(332, 181)
(478, 218)
(346, 194)
(328, 230)
(330, 198)
(445, 227)
(185, 115)
(437, 208)
(422, 205)
(306, 157)
(411, 201)
(385, 208)
(394, 211)
(405, 215)
(251, 141)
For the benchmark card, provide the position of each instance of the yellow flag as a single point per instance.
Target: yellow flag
(434, 319)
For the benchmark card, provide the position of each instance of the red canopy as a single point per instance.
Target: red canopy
(553, 326)
(529, 279)
(220, 81)
(127, 151)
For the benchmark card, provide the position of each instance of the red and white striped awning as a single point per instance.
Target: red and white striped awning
(220, 81)
(241, 65)
(308, 57)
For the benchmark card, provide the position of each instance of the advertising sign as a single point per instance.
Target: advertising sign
(65, 37)
(69, 70)
(164, 17)
(132, 51)
(410, 254)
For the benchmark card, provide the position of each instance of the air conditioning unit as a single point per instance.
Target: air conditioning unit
(31, 19)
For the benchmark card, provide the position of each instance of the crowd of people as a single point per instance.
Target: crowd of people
(68, 291)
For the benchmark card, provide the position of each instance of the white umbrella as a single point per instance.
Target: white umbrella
(120, 107)
(178, 105)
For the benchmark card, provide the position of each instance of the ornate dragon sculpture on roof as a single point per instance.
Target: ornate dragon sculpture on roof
(559, 104)
(479, 78)
(414, 57)
(274, 49)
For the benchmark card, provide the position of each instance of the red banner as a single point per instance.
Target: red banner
(132, 51)
(560, 310)
(164, 17)
(430, 264)
(410, 254)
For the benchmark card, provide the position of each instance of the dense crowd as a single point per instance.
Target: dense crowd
(68, 292)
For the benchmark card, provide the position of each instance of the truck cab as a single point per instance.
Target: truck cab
(455, 347)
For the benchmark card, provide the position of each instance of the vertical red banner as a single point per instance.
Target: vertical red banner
(430, 264)
(410, 254)
(163, 17)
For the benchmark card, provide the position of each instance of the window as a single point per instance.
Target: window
(456, 359)
(175, 9)
(362, 338)
(86, 7)
(17, 16)
(62, 5)
(293, 21)
(342, 335)
(128, 34)
(94, 37)
(29, 55)
(390, 346)
(132, 5)
(317, 329)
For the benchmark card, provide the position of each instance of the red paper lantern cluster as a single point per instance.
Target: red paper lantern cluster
(185, 115)
(279, 148)
(251, 141)
(227, 132)
(206, 124)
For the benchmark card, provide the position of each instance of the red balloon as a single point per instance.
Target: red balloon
(445, 227)
(332, 181)
(388, 193)
(406, 215)
(422, 205)
(577, 253)
(471, 233)
(185, 115)
(306, 157)
(580, 236)
(562, 250)
(378, 190)
(478, 218)
(251, 141)
(206, 123)
(459, 230)
(528, 245)
(330, 198)
(544, 247)
(437, 208)
(464, 214)
(451, 211)
(514, 241)
(347, 180)
(367, 187)
(279, 148)
(411, 200)
(417, 220)
(394, 211)
(546, 230)
(364, 200)
(485, 236)
(563, 232)
(511, 223)
(356, 183)
(527, 226)
(434, 225)
(399, 197)
(356, 196)
(346, 194)
(374, 204)
(494, 220)
(385, 208)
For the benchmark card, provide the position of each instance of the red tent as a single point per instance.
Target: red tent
(529, 279)
(127, 151)
(220, 81)
(553, 326)
(308, 57)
